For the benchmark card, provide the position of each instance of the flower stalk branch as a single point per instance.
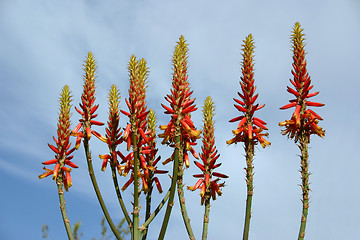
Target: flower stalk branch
(209, 179)
(303, 122)
(63, 208)
(113, 138)
(250, 129)
(180, 133)
(61, 173)
(87, 112)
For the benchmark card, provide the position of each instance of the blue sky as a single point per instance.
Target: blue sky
(43, 44)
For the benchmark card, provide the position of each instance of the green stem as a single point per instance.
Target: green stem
(249, 152)
(97, 190)
(136, 232)
(118, 193)
(247, 217)
(305, 184)
(157, 210)
(148, 205)
(183, 206)
(172, 188)
(63, 208)
(206, 219)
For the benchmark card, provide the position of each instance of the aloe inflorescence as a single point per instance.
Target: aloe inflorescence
(250, 129)
(304, 121)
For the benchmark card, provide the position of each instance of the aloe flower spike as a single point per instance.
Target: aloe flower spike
(304, 121)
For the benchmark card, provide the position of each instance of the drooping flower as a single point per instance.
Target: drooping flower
(181, 106)
(62, 149)
(303, 119)
(249, 128)
(87, 106)
(209, 187)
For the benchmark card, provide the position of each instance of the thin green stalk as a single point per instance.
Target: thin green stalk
(136, 231)
(305, 184)
(148, 206)
(182, 204)
(206, 219)
(173, 187)
(249, 151)
(118, 193)
(63, 208)
(157, 210)
(97, 190)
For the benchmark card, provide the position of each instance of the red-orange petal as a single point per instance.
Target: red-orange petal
(290, 105)
(240, 108)
(241, 122)
(168, 110)
(71, 164)
(158, 185)
(207, 179)
(314, 104)
(199, 165)
(77, 128)
(79, 111)
(236, 119)
(216, 174)
(250, 133)
(93, 122)
(125, 113)
(88, 132)
(52, 147)
(52, 161)
(56, 170)
(198, 183)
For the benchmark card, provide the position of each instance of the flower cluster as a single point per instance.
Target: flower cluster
(62, 149)
(209, 188)
(151, 158)
(136, 133)
(303, 120)
(87, 106)
(181, 106)
(113, 136)
(250, 128)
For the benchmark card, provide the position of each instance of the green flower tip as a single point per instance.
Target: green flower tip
(143, 69)
(248, 47)
(180, 54)
(297, 36)
(297, 27)
(65, 100)
(90, 67)
(151, 119)
(138, 70)
(208, 110)
(114, 99)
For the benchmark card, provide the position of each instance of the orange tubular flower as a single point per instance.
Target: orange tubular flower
(62, 148)
(209, 188)
(87, 106)
(303, 119)
(181, 105)
(249, 128)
